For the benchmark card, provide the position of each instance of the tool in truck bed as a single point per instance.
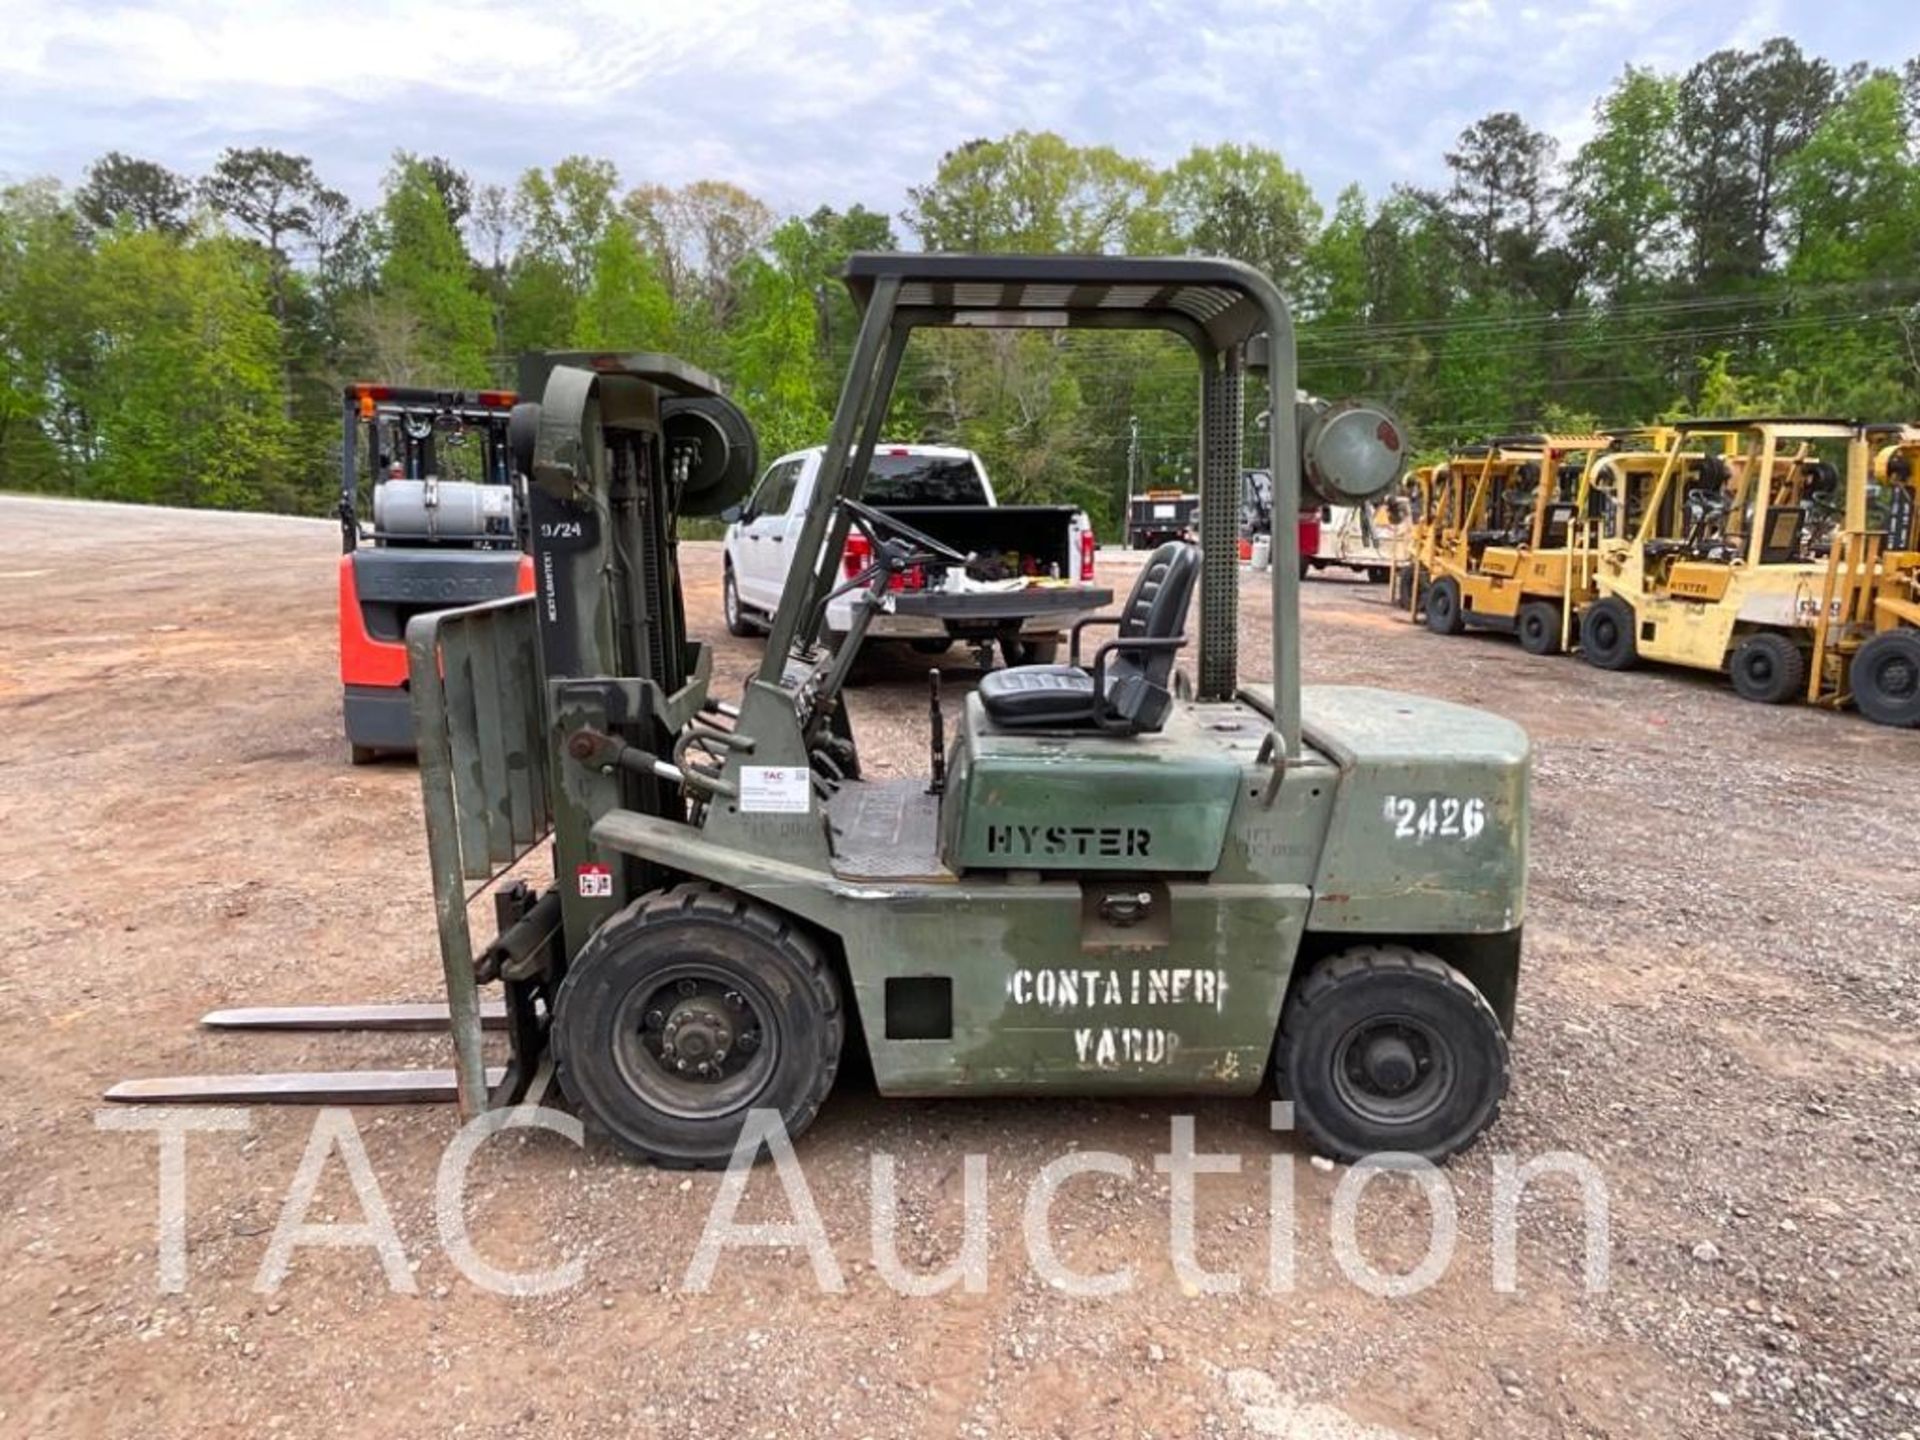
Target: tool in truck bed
(1120, 877)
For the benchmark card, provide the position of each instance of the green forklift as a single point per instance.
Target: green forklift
(1117, 877)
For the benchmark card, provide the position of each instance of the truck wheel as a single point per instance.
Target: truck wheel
(736, 616)
(686, 1009)
(1537, 627)
(1017, 650)
(1768, 668)
(1384, 1047)
(1606, 634)
(1443, 607)
(1885, 676)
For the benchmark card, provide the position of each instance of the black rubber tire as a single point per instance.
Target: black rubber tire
(743, 944)
(1306, 567)
(1607, 637)
(1443, 607)
(1768, 668)
(1018, 651)
(932, 645)
(1378, 575)
(1537, 627)
(1407, 988)
(731, 609)
(1885, 677)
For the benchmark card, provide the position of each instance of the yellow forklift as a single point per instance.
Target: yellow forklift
(1738, 588)
(1504, 558)
(1866, 639)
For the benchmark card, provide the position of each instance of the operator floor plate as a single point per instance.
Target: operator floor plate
(886, 830)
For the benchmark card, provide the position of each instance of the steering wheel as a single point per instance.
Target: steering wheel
(871, 521)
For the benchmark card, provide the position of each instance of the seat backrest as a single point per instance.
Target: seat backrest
(1559, 521)
(1157, 604)
(1138, 681)
(1782, 543)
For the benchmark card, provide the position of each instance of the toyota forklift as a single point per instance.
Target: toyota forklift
(1134, 873)
(431, 472)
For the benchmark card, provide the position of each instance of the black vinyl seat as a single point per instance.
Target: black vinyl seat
(1127, 691)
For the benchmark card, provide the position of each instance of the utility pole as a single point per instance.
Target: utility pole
(1133, 455)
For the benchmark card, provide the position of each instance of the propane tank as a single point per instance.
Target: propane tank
(1351, 451)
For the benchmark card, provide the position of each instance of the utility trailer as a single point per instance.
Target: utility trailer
(1120, 877)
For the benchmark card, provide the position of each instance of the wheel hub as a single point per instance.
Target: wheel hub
(1899, 677)
(1390, 1064)
(697, 1036)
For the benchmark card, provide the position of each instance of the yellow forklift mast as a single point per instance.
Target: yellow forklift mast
(1866, 642)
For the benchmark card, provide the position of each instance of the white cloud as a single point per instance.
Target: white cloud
(843, 100)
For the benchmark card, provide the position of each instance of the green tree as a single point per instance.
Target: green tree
(1741, 115)
(48, 340)
(626, 306)
(1035, 192)
(1242, 201)
(427, 277)
(185, 392)
(1619, 201)
(772, 354)
(121, 190)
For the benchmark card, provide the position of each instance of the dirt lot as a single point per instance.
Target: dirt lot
(1718, 1009)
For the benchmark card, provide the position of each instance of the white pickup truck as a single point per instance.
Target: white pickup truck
(943, 491)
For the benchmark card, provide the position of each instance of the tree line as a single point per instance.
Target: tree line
(1743, 237)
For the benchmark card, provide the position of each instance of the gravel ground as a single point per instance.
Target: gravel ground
(1718, 1009)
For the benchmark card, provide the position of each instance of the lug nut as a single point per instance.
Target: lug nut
(689, 986)
(735, 1000)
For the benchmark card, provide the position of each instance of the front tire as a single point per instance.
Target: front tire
(687, 1009)
(1768, 668)
(1606, 634)
(1443, 607)
(734, 613)
(1885, 676)
(1537, 627)
(1384, 1047)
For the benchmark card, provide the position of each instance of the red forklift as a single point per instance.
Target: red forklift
(430, 519)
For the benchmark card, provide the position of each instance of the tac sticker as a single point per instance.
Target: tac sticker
(775, 790)
(596, 882)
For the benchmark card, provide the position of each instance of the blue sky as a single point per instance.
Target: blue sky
(843, 102)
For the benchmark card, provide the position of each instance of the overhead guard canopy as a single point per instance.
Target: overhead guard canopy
(1221, 301)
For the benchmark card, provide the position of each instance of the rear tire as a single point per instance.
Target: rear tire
(1885, 676)
(730, 606)
(1537, 627)
(1443, 607)
(1384, 1047)
(1606, 634)
(1016, 650)
(688, 977)
(1768, 668)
